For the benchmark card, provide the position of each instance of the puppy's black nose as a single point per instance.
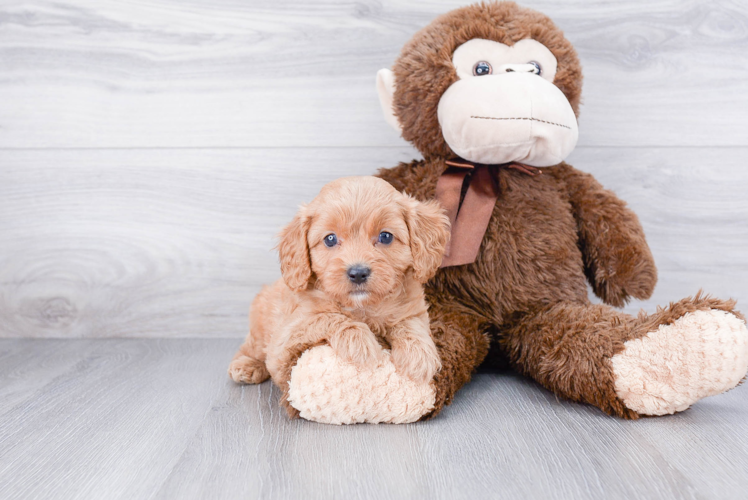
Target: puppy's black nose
(358, 273)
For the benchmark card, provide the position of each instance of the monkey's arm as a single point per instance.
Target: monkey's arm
(617, 260)
(397, 176)
(417, 178)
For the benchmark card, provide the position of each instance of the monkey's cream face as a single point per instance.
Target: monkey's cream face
(505, 108)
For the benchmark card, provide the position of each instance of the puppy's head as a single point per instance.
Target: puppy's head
(359, 239)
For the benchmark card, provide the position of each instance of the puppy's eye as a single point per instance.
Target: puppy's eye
(482, 68)
(385, 238)
(331, 240)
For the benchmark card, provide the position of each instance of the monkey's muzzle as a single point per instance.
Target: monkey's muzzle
(509, 117)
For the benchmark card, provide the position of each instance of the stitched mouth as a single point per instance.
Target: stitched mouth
(521, 118)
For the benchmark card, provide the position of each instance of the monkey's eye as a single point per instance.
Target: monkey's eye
(385, 238)
(482, 68)
(331, 240)
(537, 69)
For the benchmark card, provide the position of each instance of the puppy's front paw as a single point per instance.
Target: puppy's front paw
(416, 359)
(356, 344)
(246, 370)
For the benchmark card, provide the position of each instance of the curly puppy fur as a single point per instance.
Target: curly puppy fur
(317, 302)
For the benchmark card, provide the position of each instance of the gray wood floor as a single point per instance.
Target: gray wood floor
(149, 151)
(149, 418)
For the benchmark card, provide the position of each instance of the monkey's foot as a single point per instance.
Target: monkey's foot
(326, 389)
(702, 353)
(246, 370)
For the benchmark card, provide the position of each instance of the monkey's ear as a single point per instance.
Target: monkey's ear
(428, 228)
(386, 91)
(293, 249)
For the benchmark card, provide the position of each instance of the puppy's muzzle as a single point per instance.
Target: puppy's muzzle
(358, 273)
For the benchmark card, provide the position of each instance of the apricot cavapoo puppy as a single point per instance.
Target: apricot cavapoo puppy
(353, 262)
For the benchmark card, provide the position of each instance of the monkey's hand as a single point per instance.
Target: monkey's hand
(325, 388)
(617, 260)
(333, 370)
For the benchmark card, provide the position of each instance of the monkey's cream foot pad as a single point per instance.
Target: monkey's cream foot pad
(701, 354)
(328, 390)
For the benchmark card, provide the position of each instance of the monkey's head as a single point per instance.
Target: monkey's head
(492, 83)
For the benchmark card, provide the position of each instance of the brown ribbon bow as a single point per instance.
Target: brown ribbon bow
(470, 215)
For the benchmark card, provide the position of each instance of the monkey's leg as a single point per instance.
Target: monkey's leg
(627, 366)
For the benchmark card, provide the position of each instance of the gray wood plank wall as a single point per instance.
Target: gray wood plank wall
(149, 152)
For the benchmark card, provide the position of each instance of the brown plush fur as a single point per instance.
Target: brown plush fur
(317, 303)
(547, 237)
(547, 233)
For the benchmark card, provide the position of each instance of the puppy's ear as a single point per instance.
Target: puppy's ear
(428, 226)
(294, 251)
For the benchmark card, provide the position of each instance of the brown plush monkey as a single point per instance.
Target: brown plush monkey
(489, 95)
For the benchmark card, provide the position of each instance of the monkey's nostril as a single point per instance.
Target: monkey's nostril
(358, 274)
